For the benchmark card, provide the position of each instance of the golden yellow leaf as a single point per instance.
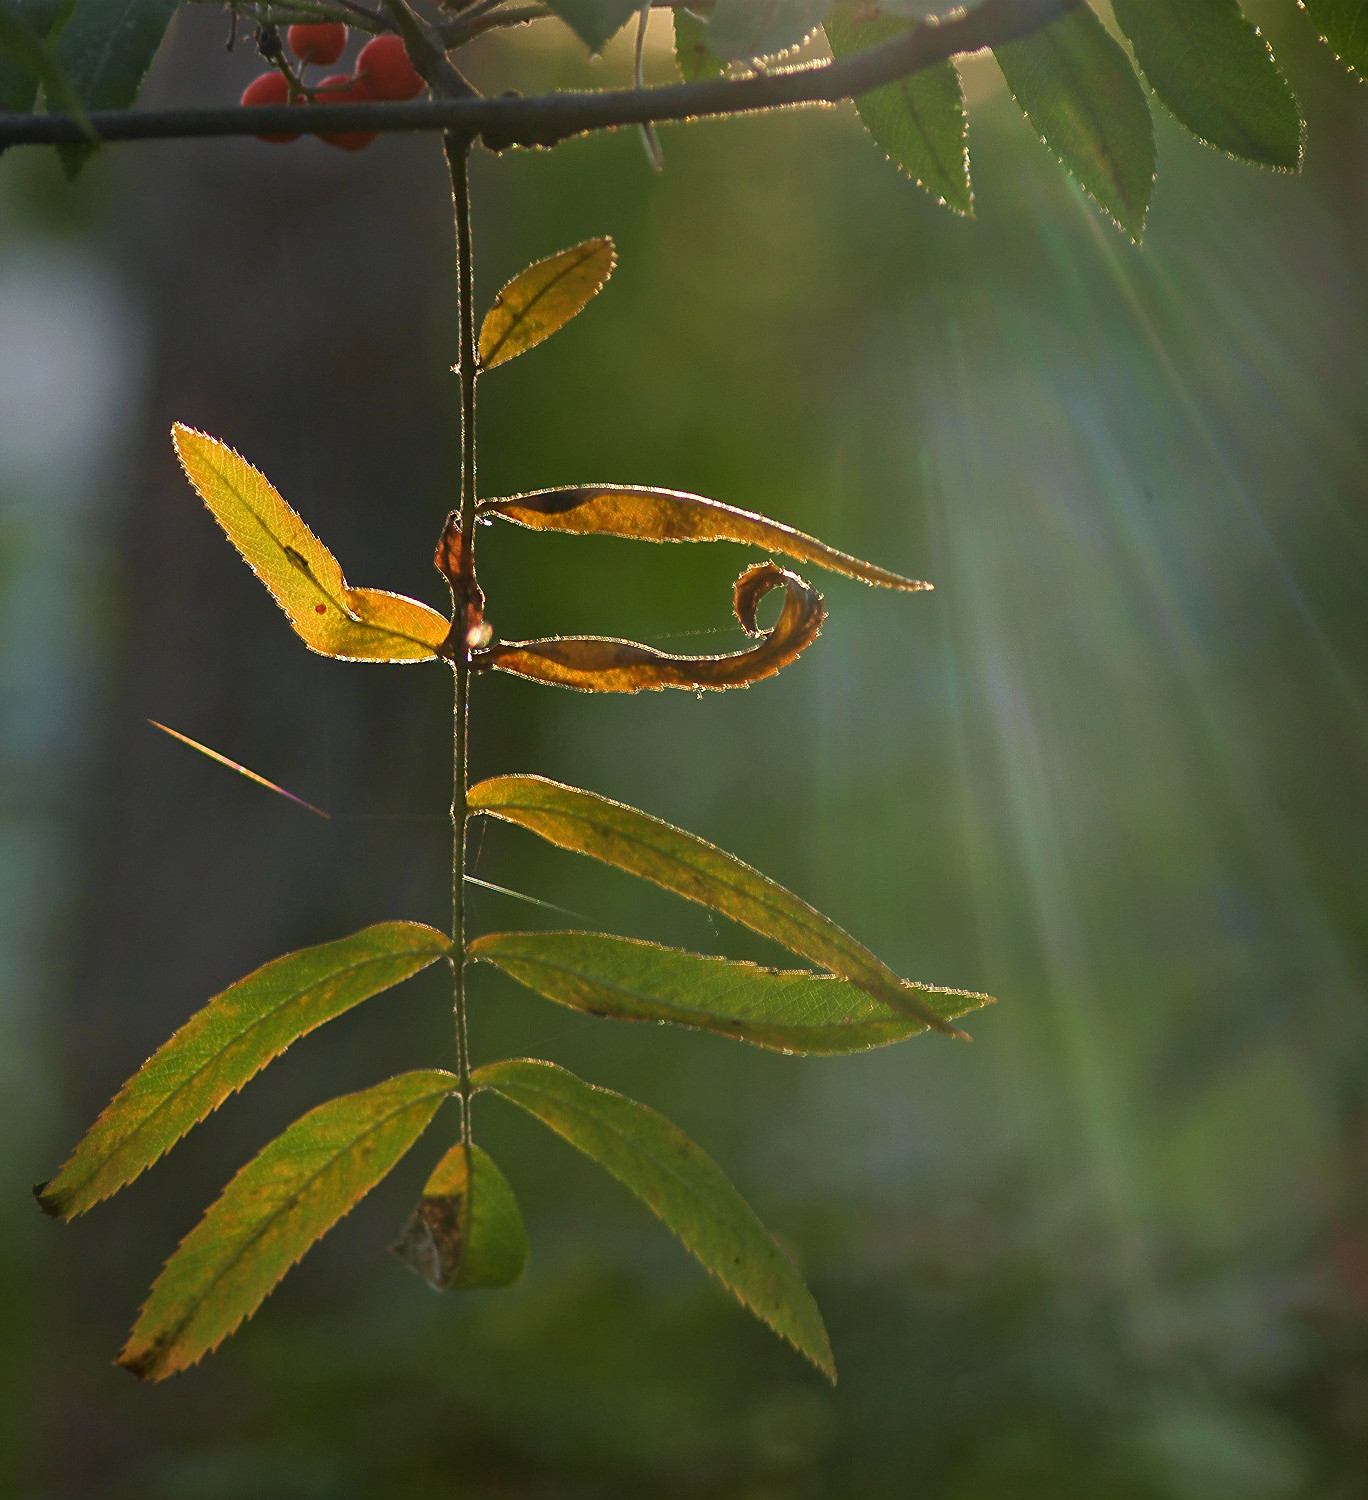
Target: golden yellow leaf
(651, 515)
(594, 664)
(542, 299)
(304, 578)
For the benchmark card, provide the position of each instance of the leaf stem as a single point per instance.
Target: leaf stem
(457, 150)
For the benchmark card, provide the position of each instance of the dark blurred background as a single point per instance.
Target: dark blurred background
(1112, 770)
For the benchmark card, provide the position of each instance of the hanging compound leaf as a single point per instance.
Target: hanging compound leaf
(26, 62)
(678, 1182)
(1343, 24)
(1217, 74)
(741, 29)
(651, 515)
(680, 862)
(696, 63)
(918, 122)
(1080, 92)
(595, 22)
(105, 49)
(304, 578)
(289, 1195)
(542, 299)
(594, 664)
(787, 1011)
(466, 1231)
(224, 1045)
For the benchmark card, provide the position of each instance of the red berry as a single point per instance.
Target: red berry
(385, 68)
(270, 88)
(321, 44)
(342, 88)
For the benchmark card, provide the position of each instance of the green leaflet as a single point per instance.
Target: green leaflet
(918, 122)
(467, 1231)
(691, 867)
(793, 1011)
(27, 28)
(1344, 26)
(738, 30)
(105, 49)
(679, 1183)
(227, 1043)
(1079, 90)
(290, 1194)
(696, 63)
(1217, 74)
(595, 22)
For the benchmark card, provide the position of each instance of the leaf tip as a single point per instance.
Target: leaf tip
(50, 1203)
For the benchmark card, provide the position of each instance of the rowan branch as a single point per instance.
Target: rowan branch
(548, 119)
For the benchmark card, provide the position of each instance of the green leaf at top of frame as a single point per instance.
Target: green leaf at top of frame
(466, 1232)
(304, 578)
(227, 1043)
(678, 1182)
(918, 122)
(105, 49)
(1343, 26)
(691, 867)
(289, 1195)
(595, 22)
(27, 30)
(792, 1011)
(543, 299)
(739, 30)
(1218, 76)
(1077, 87)
(696, 63)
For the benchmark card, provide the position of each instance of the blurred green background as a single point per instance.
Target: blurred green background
(1112, 770)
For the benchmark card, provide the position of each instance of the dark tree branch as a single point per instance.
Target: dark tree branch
(552, 118)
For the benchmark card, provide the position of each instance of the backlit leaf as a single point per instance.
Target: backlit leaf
(542, 299)
(678, 1182)
(787, 1011)
(680, 862)
(593, 664)
(105, 49)
(741, 29)
(227, 1043)
(1216, 73)
(1078, 89)
(594, 21)
(696, 63)
(651, 515)
(1344, 26)
(466, 1231)
(289, 1195)
(304, 578)
(918, 121)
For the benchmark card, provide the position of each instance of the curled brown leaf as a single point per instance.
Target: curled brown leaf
(652, 515)
(593, 664)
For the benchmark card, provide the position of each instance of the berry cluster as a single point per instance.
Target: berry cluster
(383, 72)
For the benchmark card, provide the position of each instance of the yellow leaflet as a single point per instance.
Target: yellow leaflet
(304, 578)
(652, 515)
(542, 299)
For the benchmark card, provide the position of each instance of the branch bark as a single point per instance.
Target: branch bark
(549, 119)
